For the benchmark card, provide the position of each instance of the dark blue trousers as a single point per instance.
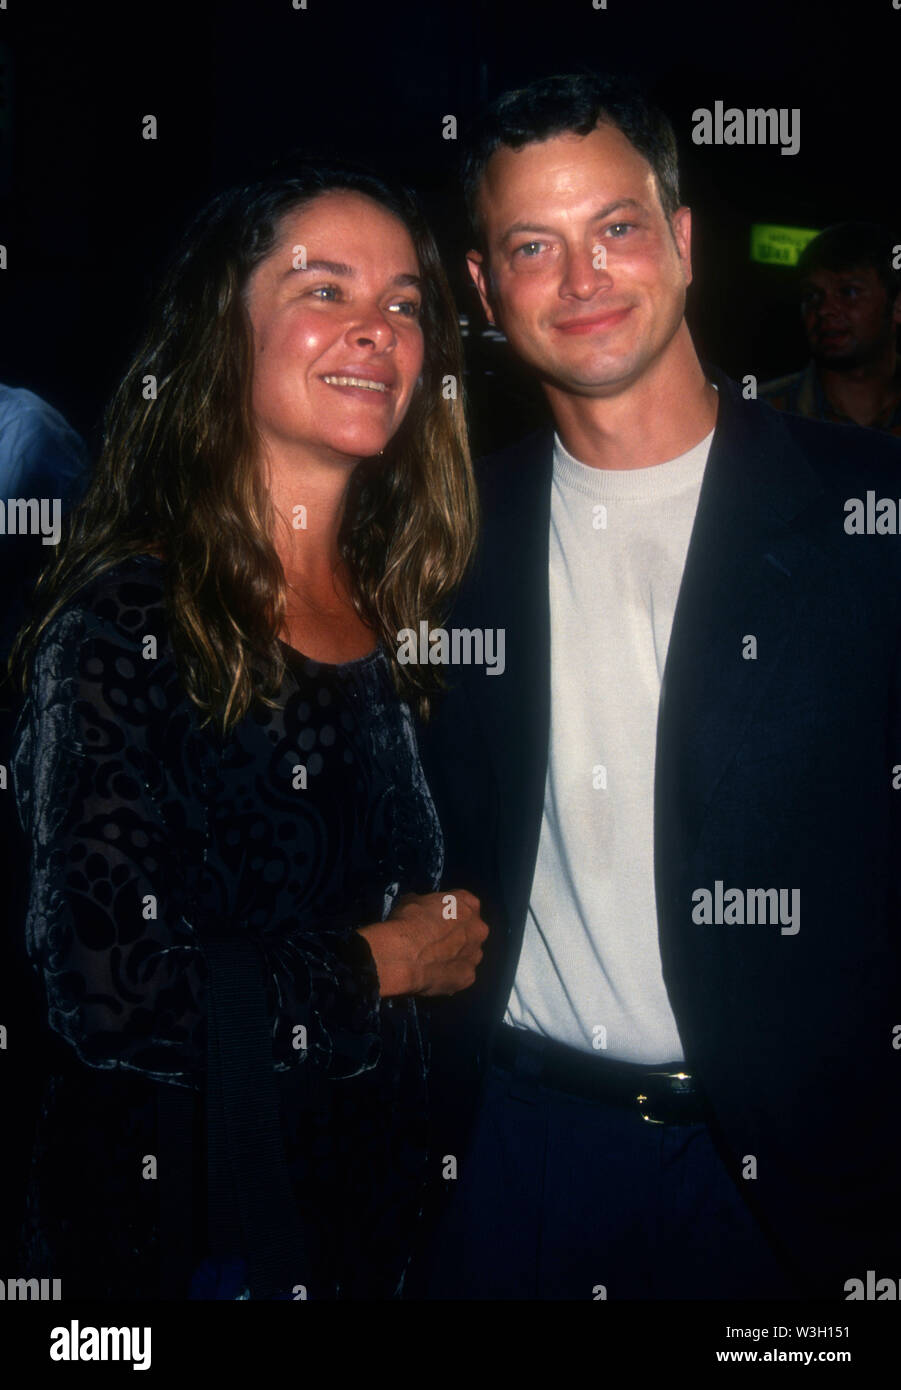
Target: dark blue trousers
(559, 1197)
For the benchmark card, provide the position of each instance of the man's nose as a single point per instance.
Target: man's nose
(585, 271)
(828, 309)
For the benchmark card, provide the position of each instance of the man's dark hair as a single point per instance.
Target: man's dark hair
(847, 245)
(576, 102)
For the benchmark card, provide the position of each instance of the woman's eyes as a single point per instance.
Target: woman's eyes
(408, 308)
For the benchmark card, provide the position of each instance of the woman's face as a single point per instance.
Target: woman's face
(335, 309)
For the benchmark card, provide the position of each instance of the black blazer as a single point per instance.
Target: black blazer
(774, 772)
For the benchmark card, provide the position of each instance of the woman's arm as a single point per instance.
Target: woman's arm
(107, 790)
(430, 944)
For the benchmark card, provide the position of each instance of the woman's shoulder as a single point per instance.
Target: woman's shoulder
(114, 624)
(106, 655)
(126, 599)
(137, 581)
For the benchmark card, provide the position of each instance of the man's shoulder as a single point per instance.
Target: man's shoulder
(846, 472)
(496, 472)
(842, 455)
(39, 449)
(17, 404)
(781, 386)
(836, 456)
(536, 445)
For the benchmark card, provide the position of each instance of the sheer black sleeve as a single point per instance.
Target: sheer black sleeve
(108, 769)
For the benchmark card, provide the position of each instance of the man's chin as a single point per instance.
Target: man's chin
(596, 381)
(838, 361)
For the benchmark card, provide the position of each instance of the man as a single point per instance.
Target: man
(41, 456)
(38, 448)
(676, 804)
(850, 308)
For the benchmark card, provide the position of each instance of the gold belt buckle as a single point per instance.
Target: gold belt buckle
(682, 1080)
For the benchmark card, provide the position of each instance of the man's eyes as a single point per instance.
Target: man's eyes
(812, 298)
(528, 250)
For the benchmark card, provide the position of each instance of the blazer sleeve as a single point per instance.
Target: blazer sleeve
(104, 789)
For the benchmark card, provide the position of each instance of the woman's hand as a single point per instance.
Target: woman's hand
(422, 949)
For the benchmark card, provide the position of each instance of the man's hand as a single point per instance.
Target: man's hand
(422, 949)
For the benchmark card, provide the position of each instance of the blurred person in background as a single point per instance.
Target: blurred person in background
(850, 309)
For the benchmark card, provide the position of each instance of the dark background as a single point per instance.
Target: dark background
(89, 209)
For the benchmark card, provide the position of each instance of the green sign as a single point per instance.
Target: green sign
(778, 245)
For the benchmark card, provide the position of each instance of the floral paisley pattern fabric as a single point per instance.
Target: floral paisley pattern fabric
(151, 834)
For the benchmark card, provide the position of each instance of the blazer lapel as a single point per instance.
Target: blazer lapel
(748, 573)
(515, 707)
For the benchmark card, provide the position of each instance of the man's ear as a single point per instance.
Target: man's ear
(681, 225)
(478, 269)
(896, 308)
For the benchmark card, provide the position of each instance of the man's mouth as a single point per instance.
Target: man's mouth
(592, 323)
(361, 383)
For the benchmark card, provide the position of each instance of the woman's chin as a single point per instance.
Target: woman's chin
(362, 446)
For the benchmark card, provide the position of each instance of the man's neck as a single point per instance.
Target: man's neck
(663, 414)
(865, 392)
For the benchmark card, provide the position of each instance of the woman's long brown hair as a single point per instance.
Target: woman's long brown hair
(179, 467)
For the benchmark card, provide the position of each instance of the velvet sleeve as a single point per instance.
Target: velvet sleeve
(110, 792)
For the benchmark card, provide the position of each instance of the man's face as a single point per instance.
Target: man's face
(582, 272)
(847, 315)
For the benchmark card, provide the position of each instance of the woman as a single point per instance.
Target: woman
(233, 850)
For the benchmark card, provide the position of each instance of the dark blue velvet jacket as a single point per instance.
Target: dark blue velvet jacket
(156, 848)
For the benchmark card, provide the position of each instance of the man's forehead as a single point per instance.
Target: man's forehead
(600, 168)
(822, 275)
(604, 146)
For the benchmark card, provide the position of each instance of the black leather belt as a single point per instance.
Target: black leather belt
(665, 1094)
